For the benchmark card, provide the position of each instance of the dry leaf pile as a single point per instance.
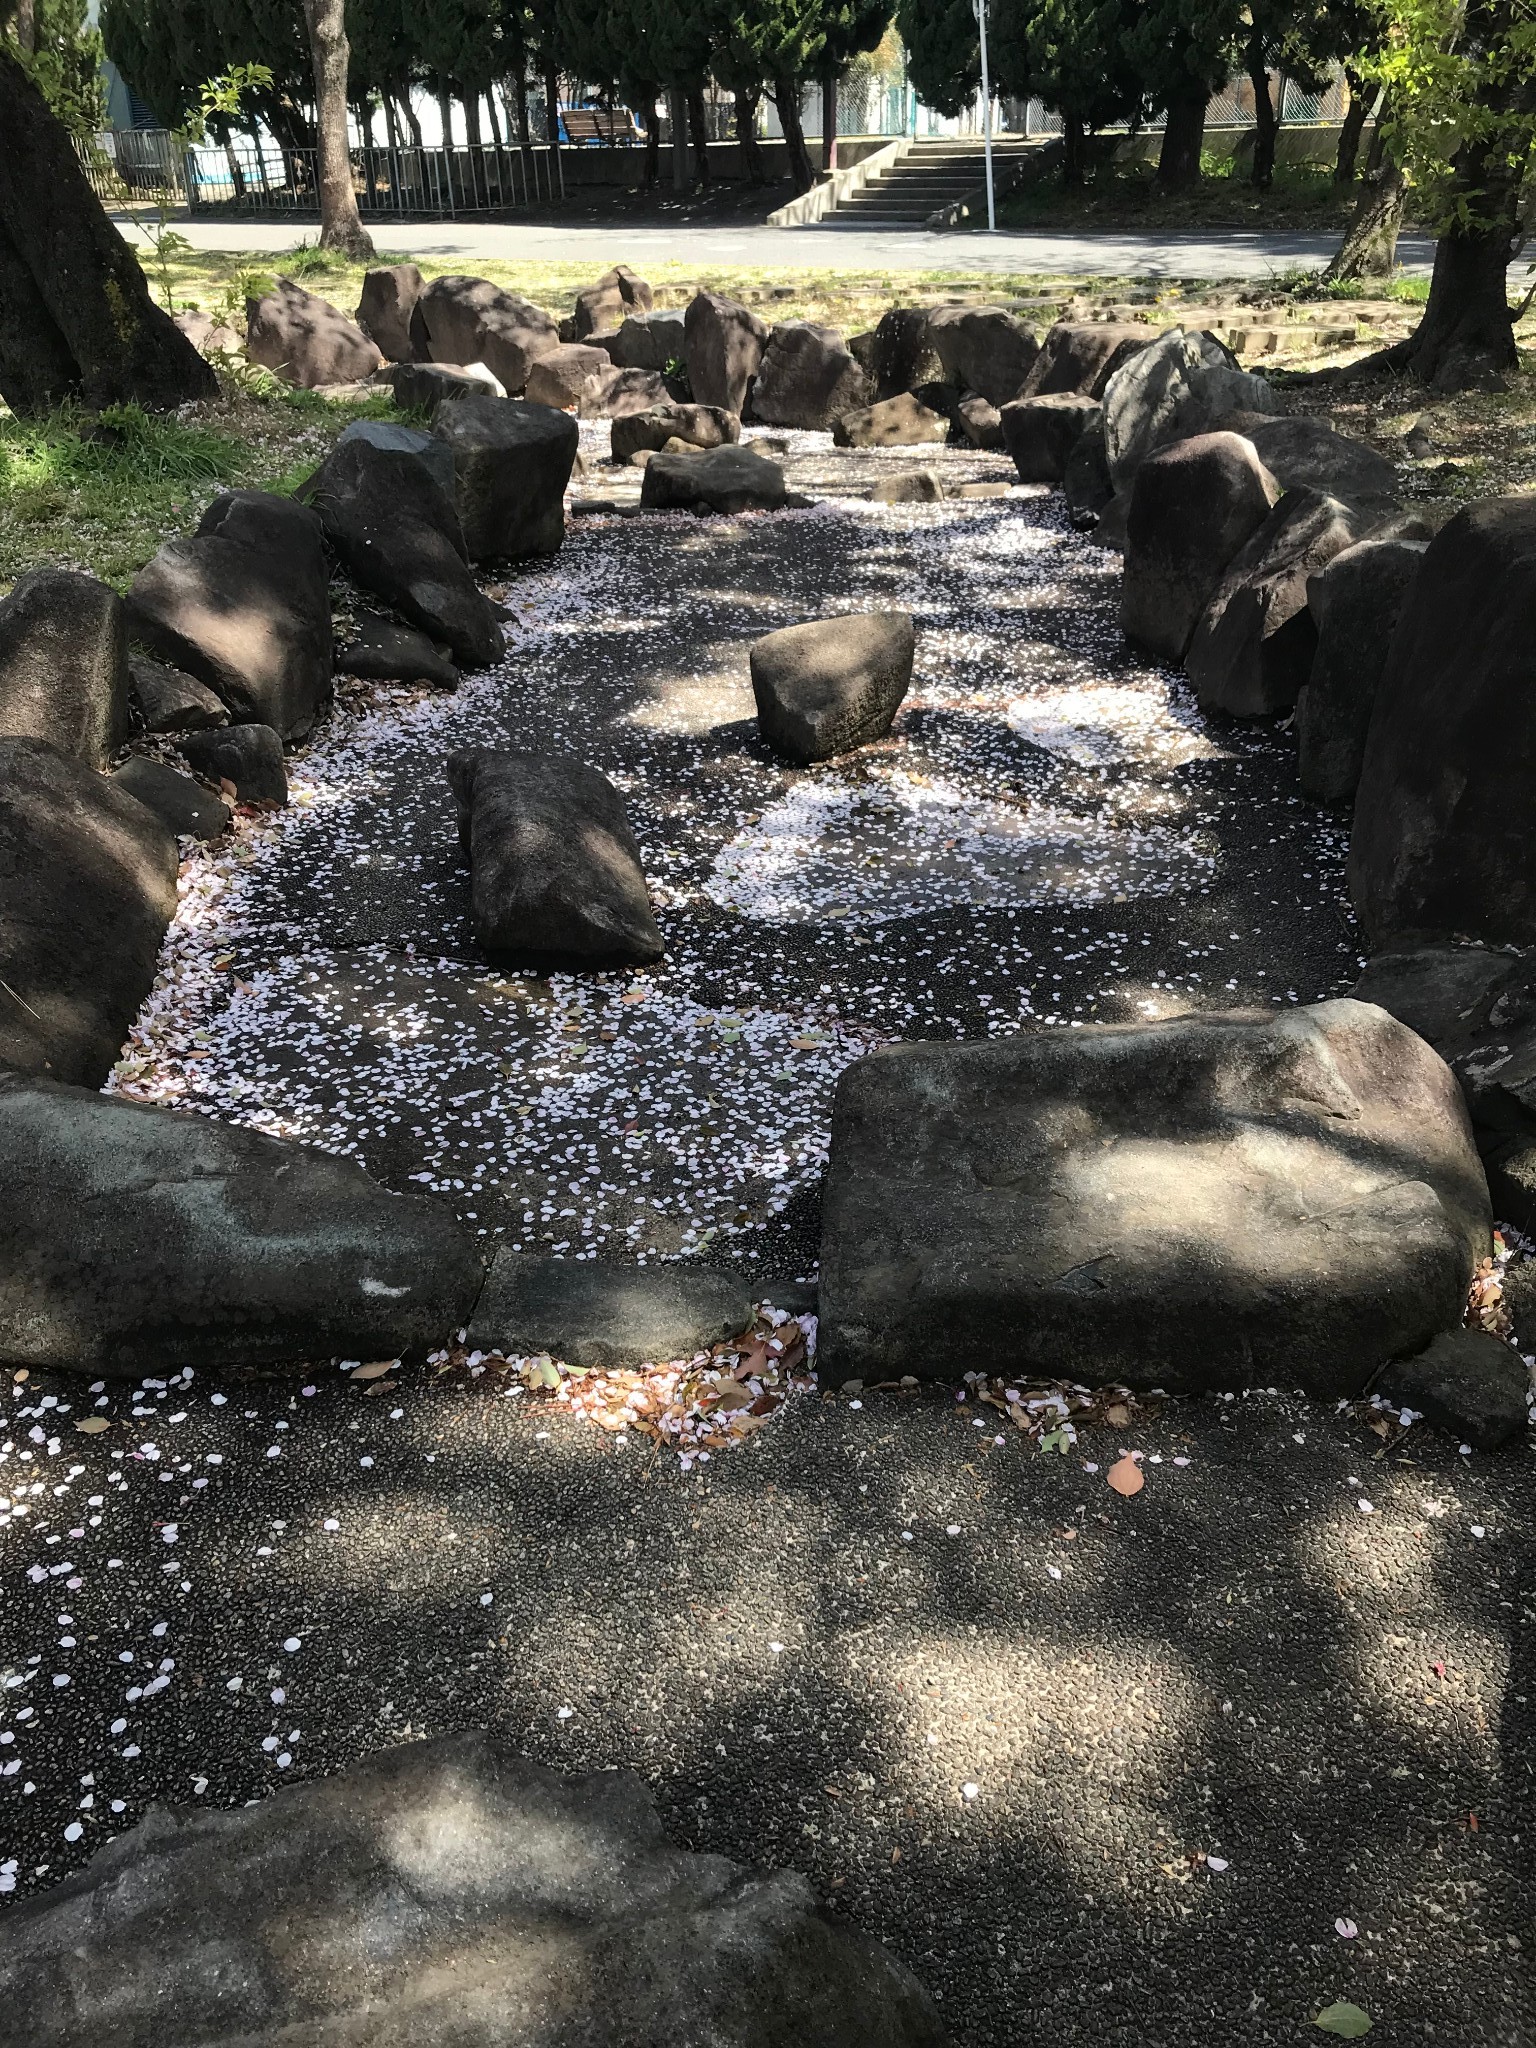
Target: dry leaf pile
(1053, 1414)
(694, 1406)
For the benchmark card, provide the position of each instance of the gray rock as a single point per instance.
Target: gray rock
(831, 684)
(1143, 396)
(1511, 1168)
(649, 341)
(169, 700)
(618, 293)
(1441, 840)
(182, 805)
(1252, 650)
(87, 888)
(807, 378)
(448, 1894)
(943, 398)
(1085, 483)
(1355, 602)
(1109, 529)
(1082, 356)
(248, 756)
(305, 340)
(1193, 506)
(1520, 1298)
(722, 480)
(899, 422)
(616, 392)
(207, 335)
(379, 651)
(591, 1312)
(567, 376)
(980, 423)
(244, 606)
(140, 1240)
(398, 536)
(384, 311)
(1467, 1382)
(1040, 433)
(985, 349)
(64, 665)
(1212, 394)
(427, 448)
(701, 426)
(555, 872)
(1210, 1202)
(467, 320)
(1441, 992)
(723, 346)
(422, 386)
(903, 353)
(912, 487)
(1306, 454)
(512, 462)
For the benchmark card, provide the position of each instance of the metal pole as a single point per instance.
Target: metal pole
(979, 9)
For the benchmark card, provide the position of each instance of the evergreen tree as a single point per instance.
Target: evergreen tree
(1071, 55)
(64, 60)
(943, 52)
(1183, 51)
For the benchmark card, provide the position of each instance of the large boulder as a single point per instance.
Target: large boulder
(555, 872)
(1213, 394)
(244, 606)
(1143, 396)
(831, 684)
(721, 480)
(512, 462)
(649, 341)
(1355, 602)
(87, 889)
(567, 376)
(1040, 433)
(64, 665)
(980, 423)
(447, 1894)
(1085, 482)
(139, 1240)
(1209, 1202)
(169, 700)
(702, 426)
(1303, 454)
(903, 353)
(1252, 650)
(984, 349)
(1441, 839)
(248, 757)
(428, 449)
(807, 378)
(1082, 356)
(1193, 506)
(593, 1313)
(467, 320)
(418, 387)
(618, 293)
(379, 651)
(179, 801)
(397, 535)
(615, 392)
(899, 422)
(723, 346)
(386, 307)
(305, 340)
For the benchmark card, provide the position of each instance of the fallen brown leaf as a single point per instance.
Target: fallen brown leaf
(1126, 1477)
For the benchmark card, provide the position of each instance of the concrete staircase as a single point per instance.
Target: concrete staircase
(934, 173)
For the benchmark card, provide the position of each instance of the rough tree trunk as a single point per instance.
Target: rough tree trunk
(411, 120)
(1073, 151)
(340, 227)
(1356, 114)
(1369, 247)
(552, 126)
(76, 317)
(648, 96)
(1178, 163)
(746, 135)
(786, 97)
(391, 125)
(1266, 118)
(1466, 339)
(829, 123)
(698, 127)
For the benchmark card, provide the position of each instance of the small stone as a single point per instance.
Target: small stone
(1467, 1382)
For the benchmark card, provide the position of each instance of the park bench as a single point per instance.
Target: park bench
(600, 124)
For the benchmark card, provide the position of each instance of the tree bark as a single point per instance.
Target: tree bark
(552, 111)
(76, 318)
(699, 129)
(1369, 247)
(651, 122)
(1178, 163)
(340, 227)
(391, 124)
(746, 135)
(1072, 152)
(1266, 128)
(1352, 128)
(677, 113)
(829, 122)
(412, 119)
(786, 97)
(1466, 339)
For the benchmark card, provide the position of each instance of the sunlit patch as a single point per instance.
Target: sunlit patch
(1109, 726)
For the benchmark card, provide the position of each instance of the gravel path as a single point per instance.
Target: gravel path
(1102, 1770)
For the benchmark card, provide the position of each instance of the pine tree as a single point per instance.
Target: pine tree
(943, 52)
(1071, 55)
(1183, 51)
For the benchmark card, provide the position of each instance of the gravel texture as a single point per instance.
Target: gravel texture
(1102, 1769)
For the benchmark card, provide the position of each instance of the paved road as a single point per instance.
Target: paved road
(1237, 254)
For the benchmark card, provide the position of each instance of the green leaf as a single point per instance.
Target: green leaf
(1345, 2020)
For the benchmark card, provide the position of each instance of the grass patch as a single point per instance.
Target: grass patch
(1125, 195)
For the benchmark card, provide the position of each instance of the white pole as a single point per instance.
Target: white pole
(979, 8)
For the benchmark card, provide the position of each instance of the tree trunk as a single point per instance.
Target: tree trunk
(1352, 128)
(677, 112)
(26, 27)
(651, 122)
(340, 227)
(786, 97)
(829, 122)
(412, 119)
(746, 135)
(1466, 339)
(76, 318)
(391, 124)
(1178, 163)
(552, 111)
(1266, 128)
(236, 172)
(1369, 247)
(1072, 151)
(699, 129)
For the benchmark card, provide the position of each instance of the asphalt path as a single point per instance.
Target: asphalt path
(1239, 253)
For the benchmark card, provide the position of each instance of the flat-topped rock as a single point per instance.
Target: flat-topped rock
(64, 664)
(727, 480)
(592, 1312)
(831, 684)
